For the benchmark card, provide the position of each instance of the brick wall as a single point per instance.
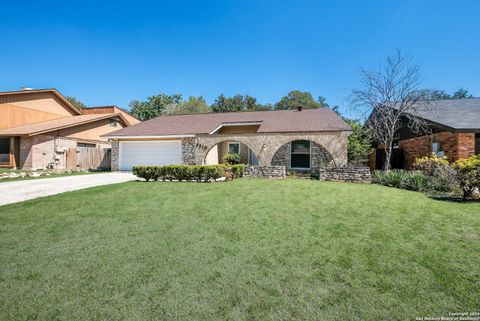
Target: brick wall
(455, 146)
(466, 145)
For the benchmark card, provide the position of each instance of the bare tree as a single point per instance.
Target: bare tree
(391, 99)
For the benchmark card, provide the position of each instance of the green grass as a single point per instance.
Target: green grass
(241, 250)
(3, 180)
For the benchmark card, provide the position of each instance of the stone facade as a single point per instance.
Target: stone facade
(345, 174)
(282, 156)
(265, 145)
(188, 151)
(319, 156)
(115, 156)
(265, 171)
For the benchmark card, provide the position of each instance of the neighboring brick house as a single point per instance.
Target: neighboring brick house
(454, 132)
(41, 129)
(299, 139)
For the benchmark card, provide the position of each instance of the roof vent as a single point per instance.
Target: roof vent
(299, 108)
(26, 88)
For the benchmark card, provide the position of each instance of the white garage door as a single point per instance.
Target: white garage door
(153, 152)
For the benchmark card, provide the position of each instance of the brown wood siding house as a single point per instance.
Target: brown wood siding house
(453, 132)
(38, 128)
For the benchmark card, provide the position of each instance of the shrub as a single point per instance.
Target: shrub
(146, 172)
(431, 165)
(214, 172)
(231, 158)
(234, 171)
(238, 170)
(417, 181)
(468, 174)
(184, 172)
(393, 178)
(441, 175)
(399, 178)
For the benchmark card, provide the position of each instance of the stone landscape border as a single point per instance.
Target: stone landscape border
(355, 174)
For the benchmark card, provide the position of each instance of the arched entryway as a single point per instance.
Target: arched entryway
(302, 155)
(216, 153)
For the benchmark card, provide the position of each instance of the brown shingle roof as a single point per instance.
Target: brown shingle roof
(307, 120)
(55, 124)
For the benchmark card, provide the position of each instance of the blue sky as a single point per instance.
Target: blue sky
(111, 52)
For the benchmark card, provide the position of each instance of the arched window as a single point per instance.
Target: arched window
(300, 154)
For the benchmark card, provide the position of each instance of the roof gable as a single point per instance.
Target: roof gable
(33, 95)
(57, 124)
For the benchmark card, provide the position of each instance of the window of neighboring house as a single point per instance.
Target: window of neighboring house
(86, 145)
(300, 154)
(113, 123)
(4, 150)
(234, 148)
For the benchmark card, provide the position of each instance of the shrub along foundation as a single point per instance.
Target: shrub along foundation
(192, 173)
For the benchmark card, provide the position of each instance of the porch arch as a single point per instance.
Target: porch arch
(319, 156)
(333, 146)
(203, 146)
(265, 145)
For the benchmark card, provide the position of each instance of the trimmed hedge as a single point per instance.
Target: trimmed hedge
(189, 172)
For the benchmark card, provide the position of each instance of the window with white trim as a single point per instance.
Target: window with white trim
(234, 148)
(300, 154)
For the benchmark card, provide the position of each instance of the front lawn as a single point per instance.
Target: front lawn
(241, 250)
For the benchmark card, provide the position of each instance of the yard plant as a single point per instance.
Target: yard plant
(468, 174)
(231, 158)
(247, 250)
(197, 173)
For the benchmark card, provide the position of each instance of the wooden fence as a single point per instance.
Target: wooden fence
(89, 158)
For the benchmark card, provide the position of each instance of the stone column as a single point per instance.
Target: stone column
(188, 151)
(115, 160)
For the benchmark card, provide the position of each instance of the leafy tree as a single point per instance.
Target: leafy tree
(297, 98)
(193, 105)
(435, 94)
(359, 143)
(154, 106)
(461, 94)
(237, 103)
(75, 102)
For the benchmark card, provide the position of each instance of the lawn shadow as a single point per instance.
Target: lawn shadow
(453, 199)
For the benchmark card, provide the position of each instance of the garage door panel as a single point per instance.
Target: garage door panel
(149, 153)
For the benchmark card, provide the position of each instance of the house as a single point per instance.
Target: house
(110, 110)
(453, 131)
(41, 129)
(298, 139)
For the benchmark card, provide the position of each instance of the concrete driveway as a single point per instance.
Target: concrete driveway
(13, 192)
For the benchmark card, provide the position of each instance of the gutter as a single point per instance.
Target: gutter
(147, 137)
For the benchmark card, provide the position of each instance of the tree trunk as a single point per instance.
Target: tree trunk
(388, 157)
